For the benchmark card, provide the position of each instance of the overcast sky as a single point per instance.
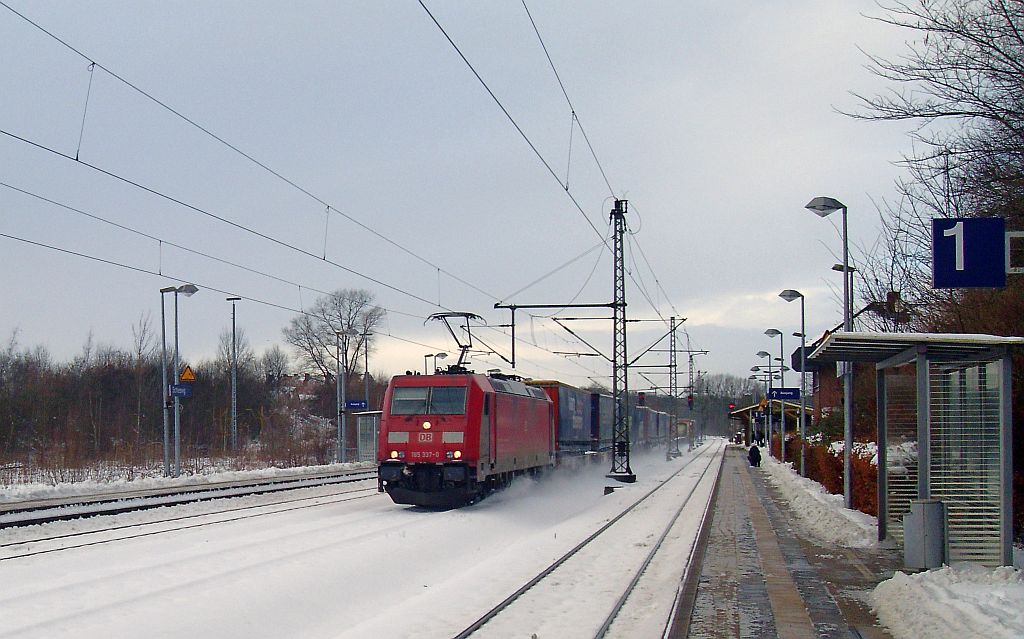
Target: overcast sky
(717, 121)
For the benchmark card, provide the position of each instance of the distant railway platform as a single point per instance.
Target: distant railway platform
(761, 577)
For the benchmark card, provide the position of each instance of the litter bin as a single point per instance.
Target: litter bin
(924, 535)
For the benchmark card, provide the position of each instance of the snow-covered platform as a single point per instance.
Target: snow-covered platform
(762, 578)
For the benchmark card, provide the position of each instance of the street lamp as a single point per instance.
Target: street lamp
(773, 332)
(762, 377)
(823, 206)
(164, 391)
(790, 295)
(341, 361)
(768, 356)
(852, 269)
(234, 377)
(366, 366)
(188, 290)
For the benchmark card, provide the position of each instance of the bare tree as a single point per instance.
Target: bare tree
(962, 81)
(246, 356)
(314, 334)
(273, 365)
(142, 349)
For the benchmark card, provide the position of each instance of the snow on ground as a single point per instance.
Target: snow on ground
(360, 568)
(959, 601)
(820, 513)
(954, 602)
(27, 492)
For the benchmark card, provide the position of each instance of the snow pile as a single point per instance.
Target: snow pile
(955, 602)
(900, 457)
(864, 450)
(820, 513)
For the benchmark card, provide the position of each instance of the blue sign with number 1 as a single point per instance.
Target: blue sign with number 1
(969, 252)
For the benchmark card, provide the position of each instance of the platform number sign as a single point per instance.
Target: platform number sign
(969, 253)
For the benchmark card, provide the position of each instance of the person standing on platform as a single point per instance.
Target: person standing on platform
(754, 456)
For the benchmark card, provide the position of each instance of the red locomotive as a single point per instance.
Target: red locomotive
(448, 439)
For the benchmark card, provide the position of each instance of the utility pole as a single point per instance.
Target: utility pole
(673, 391)
(620, 365)
(234, 377)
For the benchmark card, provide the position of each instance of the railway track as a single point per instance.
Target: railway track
(41, 511)
(576, 562)
(68, 541)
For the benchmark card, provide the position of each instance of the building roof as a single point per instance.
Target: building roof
(876, 347)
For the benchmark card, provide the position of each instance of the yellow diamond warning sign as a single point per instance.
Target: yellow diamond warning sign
(187, 375)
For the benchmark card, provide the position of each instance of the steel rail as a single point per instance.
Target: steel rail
(677, 626)
(117, 503)
(372, 492)
(496, 610)
(603, 630)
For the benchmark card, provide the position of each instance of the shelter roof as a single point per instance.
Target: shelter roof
(877, 347)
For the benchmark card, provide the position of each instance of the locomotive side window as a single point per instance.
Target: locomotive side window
(448, 400)
(424, 400)
(409, 400)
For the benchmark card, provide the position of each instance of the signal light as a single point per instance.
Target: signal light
(731, 406)
(689, 401)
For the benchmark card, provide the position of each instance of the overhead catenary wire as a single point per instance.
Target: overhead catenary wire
(328, 207)
(575, 116)
(266, 167)
(162, 242)
(219, 218)
(515, 124)
(94, 64)
(250, 298)
(523, 134)
(198, 283)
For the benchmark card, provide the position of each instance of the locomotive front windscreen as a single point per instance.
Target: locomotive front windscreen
(428, 400)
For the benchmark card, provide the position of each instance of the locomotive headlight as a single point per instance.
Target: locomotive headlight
(394, 454)
(426, 425)
(458, 454)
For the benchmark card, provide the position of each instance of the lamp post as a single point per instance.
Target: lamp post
(234, 377)
(763, 378)
(789, 295)
(188, 290)
(366, 367)
(823, 206)
(772, 332)
(164, 392)
(341, 359)
(767, 355)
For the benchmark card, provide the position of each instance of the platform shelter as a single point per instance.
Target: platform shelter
(944, 433)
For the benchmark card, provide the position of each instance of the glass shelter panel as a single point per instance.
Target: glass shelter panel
(965, 471)
(901, 465)
(368, 425)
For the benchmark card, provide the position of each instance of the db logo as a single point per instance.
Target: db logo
(426, 437)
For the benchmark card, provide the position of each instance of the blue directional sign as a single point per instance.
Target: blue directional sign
(784, 393)
(355, 404)
(969, 252)
(181, 390)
